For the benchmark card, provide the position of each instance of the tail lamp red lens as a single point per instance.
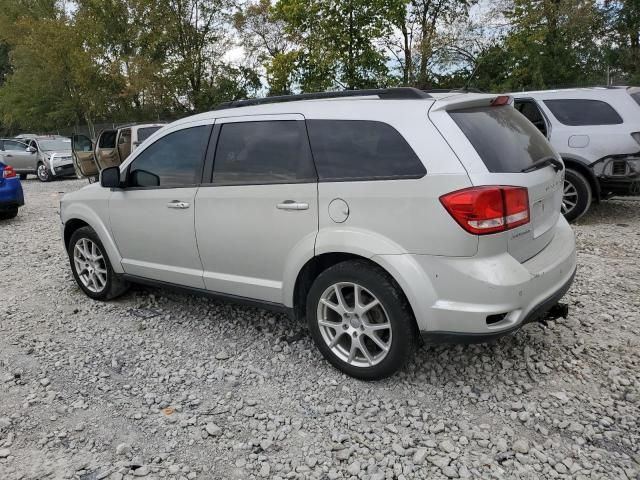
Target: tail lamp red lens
(8, 172)
(488, 209)
(501, 100)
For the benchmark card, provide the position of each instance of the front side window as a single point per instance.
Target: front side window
(257, 153)
(352, 150)
(174, 160)
(13, 146)
(575, 112)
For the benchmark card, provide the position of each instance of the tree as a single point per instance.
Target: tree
(623, 24)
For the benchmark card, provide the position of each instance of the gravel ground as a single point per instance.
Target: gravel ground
(163, 385)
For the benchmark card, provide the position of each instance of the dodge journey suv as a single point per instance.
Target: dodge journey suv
(379, 216)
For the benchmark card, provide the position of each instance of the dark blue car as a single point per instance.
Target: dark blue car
(11, 197)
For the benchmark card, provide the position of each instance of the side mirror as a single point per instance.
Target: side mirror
(110, 177)
(31, 150)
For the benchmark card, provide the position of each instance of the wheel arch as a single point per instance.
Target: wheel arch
(79, 218)
(319, 263)
(587, 172)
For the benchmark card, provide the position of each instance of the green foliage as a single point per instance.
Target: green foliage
(130, 60)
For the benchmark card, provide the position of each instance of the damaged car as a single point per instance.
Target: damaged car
(596, 131)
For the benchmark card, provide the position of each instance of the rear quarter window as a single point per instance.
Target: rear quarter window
(579, 112)
(352, 150)
(636, 97)
(503, 138)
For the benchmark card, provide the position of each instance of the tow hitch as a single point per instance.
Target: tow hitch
(557, 311)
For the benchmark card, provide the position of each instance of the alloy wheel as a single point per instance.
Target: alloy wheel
(569, 197)
(43, 173)
(354, 324)
(90, 265)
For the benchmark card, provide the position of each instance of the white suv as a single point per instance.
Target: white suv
(597, 133)
(378, 215)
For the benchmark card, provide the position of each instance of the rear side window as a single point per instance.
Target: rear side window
(146, 132)
(347, 150)
(636, 97)
(108, 139)
(174, 160)
(260, 153)
(576, 112)
(505, 140)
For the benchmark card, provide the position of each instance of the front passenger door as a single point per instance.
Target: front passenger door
(152, 217)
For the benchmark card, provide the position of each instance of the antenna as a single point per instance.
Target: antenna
(473, 74)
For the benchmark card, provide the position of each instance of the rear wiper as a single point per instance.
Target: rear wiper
(554, 162)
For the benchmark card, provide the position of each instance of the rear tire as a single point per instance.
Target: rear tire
(91, 266)
(577, 195)
(381, 312)
(9, 214)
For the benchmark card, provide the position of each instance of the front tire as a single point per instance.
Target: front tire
(91, 266)
(577, 195)
(43, 173)
(360, 320)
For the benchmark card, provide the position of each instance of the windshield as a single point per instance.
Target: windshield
(56, 144)
(505, 140)
(146, 132)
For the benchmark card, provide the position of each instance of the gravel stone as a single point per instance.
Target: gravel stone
(197, 388)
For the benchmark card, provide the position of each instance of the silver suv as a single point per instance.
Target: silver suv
(379, 216)
(597, 133)
(47, 156)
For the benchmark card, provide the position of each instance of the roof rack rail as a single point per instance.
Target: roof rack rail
(398, 93)
(452, 90)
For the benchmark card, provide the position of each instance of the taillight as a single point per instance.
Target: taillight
(8, 172)
(489, 209)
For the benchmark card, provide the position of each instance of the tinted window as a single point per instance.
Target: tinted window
(146, 132)
(108, 139)
(82, 143)
(361, 150)
(14, 146)
(172, 161)
(505, 140)
(636, 97)
(583, 112)
(531, 111)
(262, 153)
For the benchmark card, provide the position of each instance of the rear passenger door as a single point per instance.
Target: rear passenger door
(259, 211)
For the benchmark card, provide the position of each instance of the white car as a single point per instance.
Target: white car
(378, 216)
(597, 133)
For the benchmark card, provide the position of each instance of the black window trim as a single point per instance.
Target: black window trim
(583, 100)
(126, 173)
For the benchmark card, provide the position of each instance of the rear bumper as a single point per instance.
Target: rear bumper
(11, 195)
(485, 296)
(536, 314)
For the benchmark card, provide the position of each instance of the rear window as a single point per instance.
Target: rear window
(576, 112)
(351, 150)
(505, 140)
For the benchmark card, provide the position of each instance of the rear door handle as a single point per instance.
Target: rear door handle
(292, 205)
(178, 204)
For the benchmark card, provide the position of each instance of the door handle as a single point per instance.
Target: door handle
(292, 205)
(178, 204)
